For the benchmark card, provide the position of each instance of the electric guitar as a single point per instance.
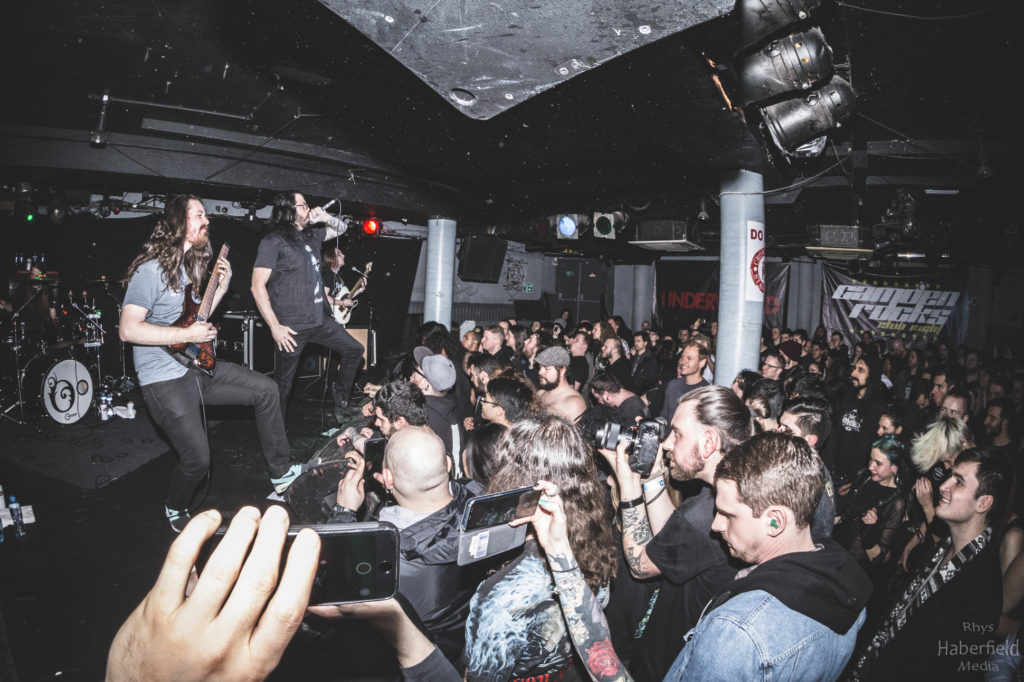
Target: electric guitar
(199, 356)
(342, 314)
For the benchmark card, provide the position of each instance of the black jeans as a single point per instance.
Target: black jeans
(176, 406)
(330, 335)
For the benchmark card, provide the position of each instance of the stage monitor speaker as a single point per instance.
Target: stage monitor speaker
(593, 277)
(481, 258)
(528, 311)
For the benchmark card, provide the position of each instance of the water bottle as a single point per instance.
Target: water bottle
(19, 526)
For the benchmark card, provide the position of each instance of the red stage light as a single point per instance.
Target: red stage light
(371, 227)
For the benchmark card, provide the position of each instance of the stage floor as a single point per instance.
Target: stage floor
(96, 546)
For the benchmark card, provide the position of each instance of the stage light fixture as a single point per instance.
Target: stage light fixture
(98, 137)
(568, 227)
(57, 209)
(371, 227)
(794, 63)
(702, 213)
(760, 19)
(608, 225)
(25, 207)
(794, 122)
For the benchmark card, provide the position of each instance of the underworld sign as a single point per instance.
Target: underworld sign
(922, 308)
(688, 289)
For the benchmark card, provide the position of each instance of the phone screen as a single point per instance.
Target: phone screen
(500, 508)
(358, 561)
(373, 454)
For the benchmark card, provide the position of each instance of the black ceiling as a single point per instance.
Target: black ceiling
(577, 106)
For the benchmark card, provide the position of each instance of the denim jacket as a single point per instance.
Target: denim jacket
(754, 631)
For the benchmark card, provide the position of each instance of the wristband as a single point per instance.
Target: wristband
(629, 504)
(654, 486)
(338, 509)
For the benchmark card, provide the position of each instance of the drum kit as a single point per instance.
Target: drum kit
(50, 355)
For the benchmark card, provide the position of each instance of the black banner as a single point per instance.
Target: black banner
(689, 289)
(919, 308)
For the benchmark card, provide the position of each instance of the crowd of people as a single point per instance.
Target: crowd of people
(836, 513)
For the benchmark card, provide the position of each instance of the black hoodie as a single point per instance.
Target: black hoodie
(826, 585)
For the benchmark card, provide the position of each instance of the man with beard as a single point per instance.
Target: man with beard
(643, 366)
(175, 255)
(676, 544)
(614, 362)
(556, 396)
(857, 419)
(289, 292)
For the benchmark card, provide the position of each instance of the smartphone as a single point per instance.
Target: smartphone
(358, 561)
(373, 454)
(498, 509)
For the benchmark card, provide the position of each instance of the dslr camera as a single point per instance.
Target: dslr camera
(643, 442)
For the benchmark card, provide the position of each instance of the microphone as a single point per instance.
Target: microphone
(330, 203)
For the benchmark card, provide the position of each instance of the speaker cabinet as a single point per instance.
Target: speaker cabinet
(481, 258)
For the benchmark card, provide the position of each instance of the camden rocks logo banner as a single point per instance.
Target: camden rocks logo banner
(688, 289)
(920, 308)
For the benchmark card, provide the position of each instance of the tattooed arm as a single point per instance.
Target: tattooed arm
(636, 521)
(584, 618)
(585, 621)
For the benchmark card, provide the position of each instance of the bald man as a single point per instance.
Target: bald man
(426, 512)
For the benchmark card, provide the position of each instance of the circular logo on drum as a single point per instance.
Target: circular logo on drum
(757, 269)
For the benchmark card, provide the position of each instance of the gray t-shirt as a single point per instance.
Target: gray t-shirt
(148, 290)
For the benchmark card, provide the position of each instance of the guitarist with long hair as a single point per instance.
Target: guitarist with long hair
(162, 283)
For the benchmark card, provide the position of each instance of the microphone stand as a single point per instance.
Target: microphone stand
(124, 383)
(18, 369)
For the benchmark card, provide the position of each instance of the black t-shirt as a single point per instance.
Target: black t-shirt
(674, 391)
(579, 370)
(633, 407)
(695, 564)
(857, 428)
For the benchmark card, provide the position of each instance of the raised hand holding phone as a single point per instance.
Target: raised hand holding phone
(221, 631)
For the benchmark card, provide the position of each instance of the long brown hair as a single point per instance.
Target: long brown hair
(165, 244)
(542, 446)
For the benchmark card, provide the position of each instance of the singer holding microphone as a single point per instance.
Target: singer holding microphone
(289, 292)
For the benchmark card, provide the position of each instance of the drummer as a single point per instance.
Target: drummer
(39, 315)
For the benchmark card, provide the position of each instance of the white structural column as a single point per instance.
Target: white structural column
(437, 298)
(741, 283)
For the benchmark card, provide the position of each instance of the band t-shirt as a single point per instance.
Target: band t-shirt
(147, 289)
(295, 276)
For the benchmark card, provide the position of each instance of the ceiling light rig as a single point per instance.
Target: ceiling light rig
(790, 77)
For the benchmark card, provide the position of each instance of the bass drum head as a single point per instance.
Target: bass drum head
(65, 388)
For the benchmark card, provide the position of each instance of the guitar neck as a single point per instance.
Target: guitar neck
(211, 286)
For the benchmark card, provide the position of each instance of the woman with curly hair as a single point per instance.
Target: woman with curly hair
(515, 627)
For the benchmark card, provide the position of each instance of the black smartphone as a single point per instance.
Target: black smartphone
(373, 454)
(358, 561)
(499, 508)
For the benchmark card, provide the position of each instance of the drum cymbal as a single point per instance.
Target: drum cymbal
(103, 280)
